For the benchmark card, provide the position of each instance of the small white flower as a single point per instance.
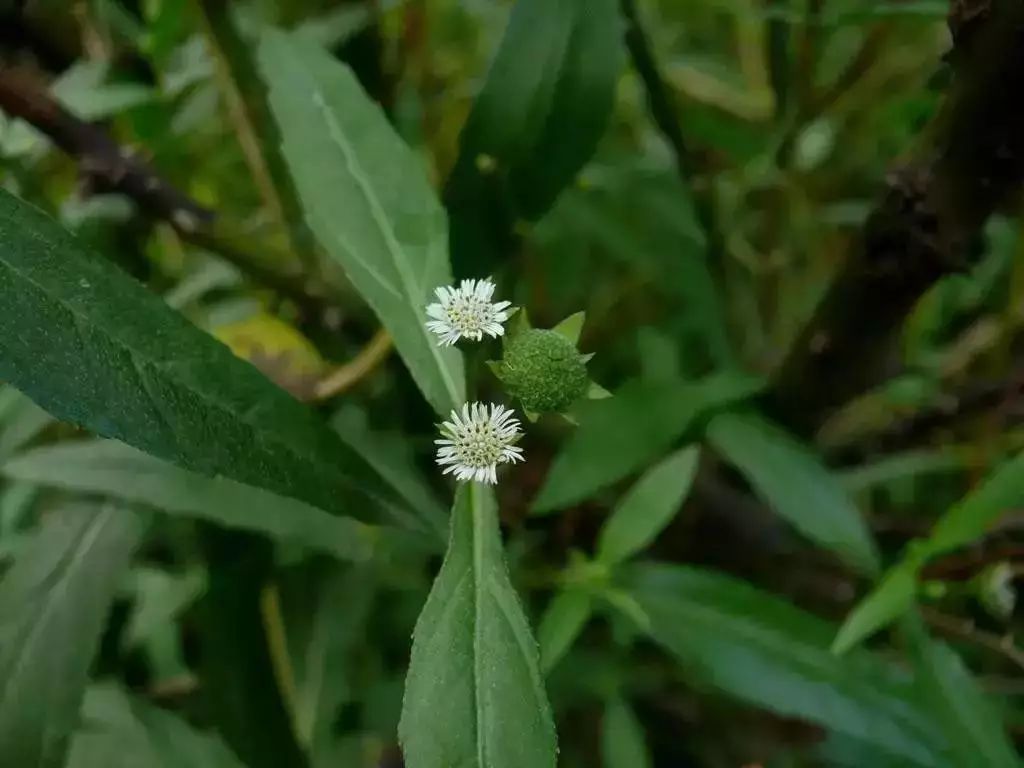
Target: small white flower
(477, 441)
(467, 312)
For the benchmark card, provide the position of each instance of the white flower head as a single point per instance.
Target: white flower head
(467, 312)
(476, 441)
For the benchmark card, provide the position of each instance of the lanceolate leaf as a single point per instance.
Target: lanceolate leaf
(973, 726)
(474, 697)
(620, 434)
(547, 98)
(53, 605)
(119, 471)
(622, 738)
(1000, 492)
(367, 200)
(392, 455)
(796, 484)
(120, 732)
(648, 507)
(758, 648)
(327, 614)
(21, 420)
(94, 348)
(893, 597)
(543, 108)
(564, 619)
(243, 680)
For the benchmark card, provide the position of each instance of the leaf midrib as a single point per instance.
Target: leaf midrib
(476, 516)
(262, 437)
(390, 240)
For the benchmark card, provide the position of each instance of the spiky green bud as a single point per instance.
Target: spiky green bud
(543, 370)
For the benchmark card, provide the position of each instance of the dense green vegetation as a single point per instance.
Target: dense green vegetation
(749, 274)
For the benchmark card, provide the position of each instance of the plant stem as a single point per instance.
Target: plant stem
(359, 367)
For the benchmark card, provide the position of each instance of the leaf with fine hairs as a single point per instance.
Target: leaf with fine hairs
(367, 200)
(474, 696)
(96, 349)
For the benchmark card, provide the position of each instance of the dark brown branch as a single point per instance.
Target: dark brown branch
(104, 163)
(107, 166)
(927, 223)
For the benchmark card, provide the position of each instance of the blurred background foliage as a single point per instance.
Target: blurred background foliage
(701, 255)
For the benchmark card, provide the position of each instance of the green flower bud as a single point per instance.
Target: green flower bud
(543, 370)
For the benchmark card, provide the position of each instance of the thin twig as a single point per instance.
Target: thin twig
(964, 629)
(359, 367)
(277, 644)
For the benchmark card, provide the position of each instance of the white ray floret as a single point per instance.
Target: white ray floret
(466, 312)
(475, 441)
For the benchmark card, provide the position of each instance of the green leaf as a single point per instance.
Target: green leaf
(796, 484)
(621, 434)
(840, 751)
(159, 598)
(53, 606)
(83, 89)
(21, 421)
(94, 348)
(649, 506)
(121, 472)
(758, 648)
(326, 614)
(622, 738)
(542, 110)
(392, 455)
(638, 215)
(245, 682)
(122, 732)
(572, 326)
(474, 696)
(967, 521)
(972, 725)
(889, 600)
(1000, 492)
(901, 467)
(367, 200)
(564, 619)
